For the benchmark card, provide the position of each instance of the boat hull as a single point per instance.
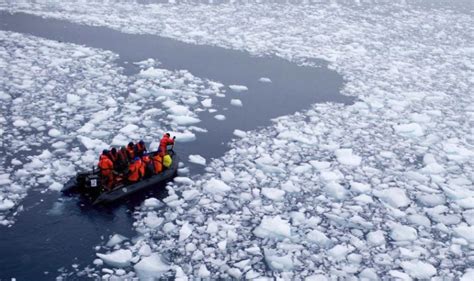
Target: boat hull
(78, 185)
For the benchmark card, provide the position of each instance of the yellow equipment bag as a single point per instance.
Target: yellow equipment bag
(167, 161)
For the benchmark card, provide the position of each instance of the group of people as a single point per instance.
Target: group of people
(133, 162)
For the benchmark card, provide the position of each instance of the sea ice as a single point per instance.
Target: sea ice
(151, 267)
(238, 88)
(197, 159)
(236, 102)
(265, 80)
(273, 227)
(118, 258)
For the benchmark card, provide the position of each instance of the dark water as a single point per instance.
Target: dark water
(54, 231)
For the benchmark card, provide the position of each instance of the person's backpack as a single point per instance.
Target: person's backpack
(167, 161)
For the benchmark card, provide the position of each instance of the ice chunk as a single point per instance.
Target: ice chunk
(203, 272)
(289, 186)
(5, 96)
(151, 267)
(207, 103)
(466, 232)
(273, 193)
(376, 238)
(368, 274)
(320, 165)
(278, 263)
(190, 194)
(185, 231)
(339, 252)
(236, 102)
(345, 157)
(239, 133)
(238, 88)
(54, 133)
(20, 123)
(183, 137)
(360, 187)
(227, 175)
(6, 204)
(403, 233)
(216, 186)
(56, 186)
(316, 277)
(335, 190)
(468, 275)
(319, 238)
(115, 239)
(396, 197)
(145, 250)
(409, 130)
(235, 273)
(152, 203)
(185, 120)
(183, 180)
(72, 99)
(129, 129)
(273, 227)
(197, 159)
(265, 80)
(119, 258)
(219, 117)
(153, 73)
(152, 220)
(418, 269)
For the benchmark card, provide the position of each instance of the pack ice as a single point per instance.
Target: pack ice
(381, 189)
(61, 104)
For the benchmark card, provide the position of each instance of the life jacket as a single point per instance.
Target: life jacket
(142, 168)
(134, 171)
(122, 156)
(157, 164)
(146, 159)
(130, 152)
(139, 149)
(113, 157)
(164, 142)
(105, 165)
(167, 161)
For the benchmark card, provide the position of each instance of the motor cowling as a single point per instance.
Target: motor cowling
(92, 182)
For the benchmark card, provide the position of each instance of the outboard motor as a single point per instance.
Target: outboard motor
(92, 182)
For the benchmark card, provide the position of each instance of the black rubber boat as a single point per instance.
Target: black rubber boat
(88, 183)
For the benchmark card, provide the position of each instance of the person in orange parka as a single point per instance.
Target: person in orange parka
(140, 148)
(157, 163)
(164, 142)
(106, 167)
(134, 168)
(131, 151)
(146, 162)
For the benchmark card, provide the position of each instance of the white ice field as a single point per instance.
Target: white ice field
(379, 189)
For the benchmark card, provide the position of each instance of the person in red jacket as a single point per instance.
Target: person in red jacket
(106, 167)
(140, 148)
(113, 155)
(130, 151)
(157, 163)
(134, 170)
(146, 163)
(122, 160)
(164, 142)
